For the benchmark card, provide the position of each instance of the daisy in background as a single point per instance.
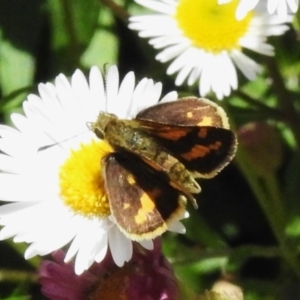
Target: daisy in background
(50, 167)
(205, 40)
(281, 7)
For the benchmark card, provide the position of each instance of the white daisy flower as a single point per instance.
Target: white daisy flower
(281, 7)
(205, 40)
(57, 191)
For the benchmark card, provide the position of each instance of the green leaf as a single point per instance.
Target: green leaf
(291, 184)
(16, 67)
(200, 232)
(73, 17)
(74, 23)
(293, 228)
(103, 47)
(20, 29)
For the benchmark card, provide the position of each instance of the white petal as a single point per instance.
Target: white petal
(172, 51)
(125, 95)
(184, 73)
(23, 192)
(293, 5)
(97, 91)
(244, 7)
(8, 232)
(171, 96)
(101, 247)
(146, 94)
(112, 89)
(136, 98)
(48, 243)
(157, 6)
(274, 4)
(13, 208)
(176, 227)
(248, 66)
(120, 246)
(147, 244)
(190, 56)
(81, 96)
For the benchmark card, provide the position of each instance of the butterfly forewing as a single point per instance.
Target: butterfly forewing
(189, 111)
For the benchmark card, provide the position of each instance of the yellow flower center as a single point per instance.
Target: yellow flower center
(211, 26)
(81, 182)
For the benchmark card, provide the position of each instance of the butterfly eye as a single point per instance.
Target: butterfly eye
(99, 133)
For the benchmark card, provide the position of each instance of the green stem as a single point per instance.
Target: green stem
(74, 45)
(268, 111)
(117, 10)
(276, 200)
(265, 196)
(265, 189)
(21, 248)
(245, 251)
(285, 99)
(185, 292)
(207, 236)
(17, 276)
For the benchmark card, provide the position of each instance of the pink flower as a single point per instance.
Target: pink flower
(147, 276)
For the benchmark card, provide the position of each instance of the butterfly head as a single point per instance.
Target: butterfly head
(99, 126)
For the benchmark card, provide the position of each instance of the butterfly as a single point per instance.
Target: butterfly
(151, 173)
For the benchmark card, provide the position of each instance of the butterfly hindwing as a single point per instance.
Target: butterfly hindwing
(203, 150)
(141, 200)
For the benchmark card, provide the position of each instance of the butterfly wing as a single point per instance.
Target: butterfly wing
(141, 201)
(193, 130)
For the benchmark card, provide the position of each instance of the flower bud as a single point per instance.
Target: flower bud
(262, 147)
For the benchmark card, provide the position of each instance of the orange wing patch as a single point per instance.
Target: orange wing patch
(215, 146)
(200, 151)
(202, 133)
(173, 134)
